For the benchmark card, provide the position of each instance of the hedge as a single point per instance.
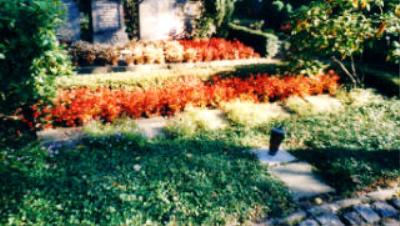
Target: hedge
(267, 44)
(386, 82)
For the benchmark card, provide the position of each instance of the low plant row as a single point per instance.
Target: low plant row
(159, 52)
(77, 106)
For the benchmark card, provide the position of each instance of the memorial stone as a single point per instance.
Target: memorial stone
(70, 28)
(108, 22)
(167, 19)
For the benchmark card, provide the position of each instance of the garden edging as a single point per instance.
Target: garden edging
(169, 66)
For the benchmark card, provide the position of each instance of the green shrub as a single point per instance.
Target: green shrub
(341, 31)
(267, 44)
(195, 119)
(387, 82)
(30, 56)
(246, 113)
(215, 19)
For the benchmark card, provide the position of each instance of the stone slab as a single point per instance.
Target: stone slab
(151, 127)
(345, 203)
(367, 213)
(59, 134)
(70, 28)
(168, 19)
(382, 195)
(108, 22)
(159, 20)
(300, 180)
(280, 158)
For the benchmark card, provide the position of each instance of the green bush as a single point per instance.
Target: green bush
(216, 17)
(30, 56)
(266, 44)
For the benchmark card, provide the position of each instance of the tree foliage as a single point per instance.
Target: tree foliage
(341, 29)
(216, 17)
(30, 56)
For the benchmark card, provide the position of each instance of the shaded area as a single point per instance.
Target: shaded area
(125, 179)
(349, 170)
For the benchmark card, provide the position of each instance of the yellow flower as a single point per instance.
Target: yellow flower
(355, 3)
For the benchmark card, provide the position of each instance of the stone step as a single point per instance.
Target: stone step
(300, 179)
(281, 157)
(151, 127)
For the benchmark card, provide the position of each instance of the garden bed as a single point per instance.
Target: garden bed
(159, 52)
(78, 106)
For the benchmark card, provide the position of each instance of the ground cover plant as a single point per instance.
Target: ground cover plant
(157, 77)
(116, 177)
(159, 52)
(78, 106)
(359, 146)
(355, 148)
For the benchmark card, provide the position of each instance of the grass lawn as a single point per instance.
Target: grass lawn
(355, 148)
(194, 175)
(156, 78)
(121, 178)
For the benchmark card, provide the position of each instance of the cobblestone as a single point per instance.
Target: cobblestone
(384, 209)
(367, 213)
(353, 218)
(329, 219)
(395, 202)
(322, 209)
(359, 211)
(308, 222)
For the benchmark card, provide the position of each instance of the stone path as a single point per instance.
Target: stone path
(300, 179)
(368, 209)
(60, 136)
(297, 176)
(151, 127)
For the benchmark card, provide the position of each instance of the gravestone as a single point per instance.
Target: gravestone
(167, 19)
(108, 22)
(70, 30)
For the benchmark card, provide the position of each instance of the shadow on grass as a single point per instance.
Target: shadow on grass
(126, 179)
(353, 170)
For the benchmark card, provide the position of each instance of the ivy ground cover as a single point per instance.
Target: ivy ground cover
(355, 147)
(120, 178)
(79, 106)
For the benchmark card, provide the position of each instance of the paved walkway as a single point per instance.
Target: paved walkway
(375, 208)
(298, 176)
